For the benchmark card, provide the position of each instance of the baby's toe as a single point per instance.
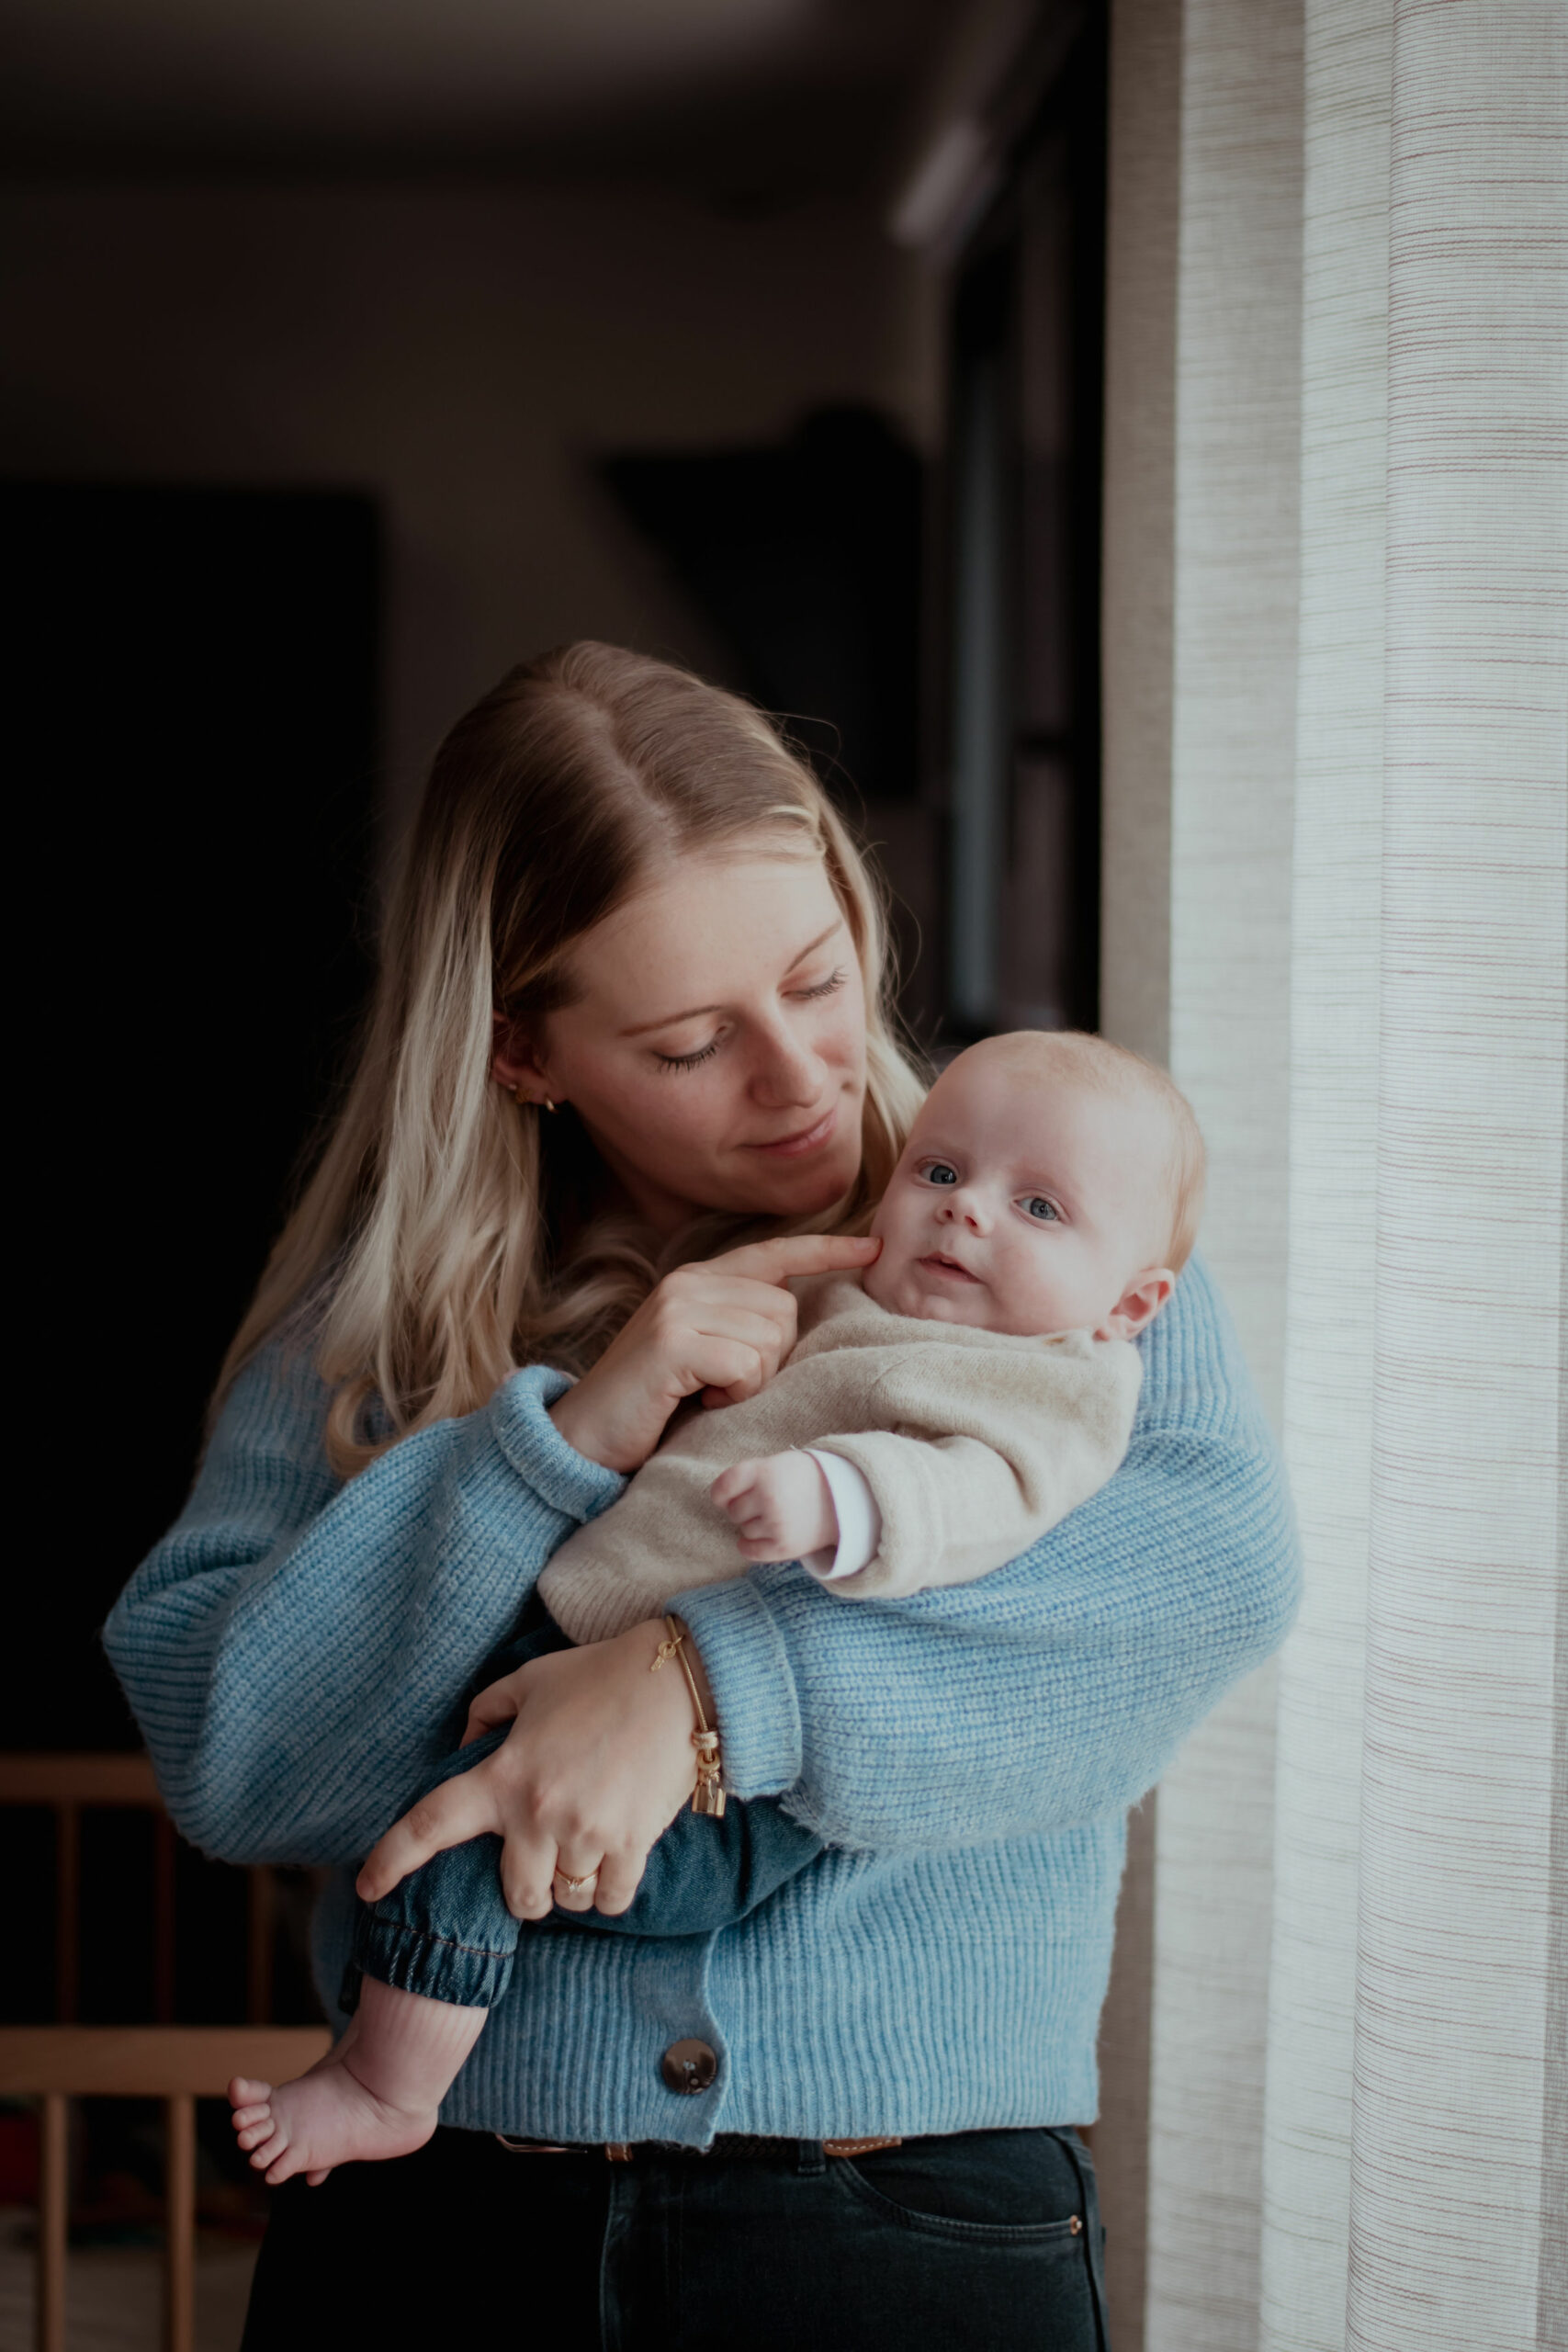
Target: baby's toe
(314, 2179)
(252, 2134)
(275, 2146)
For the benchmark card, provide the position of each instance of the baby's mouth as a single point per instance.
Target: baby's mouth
(950, 1267)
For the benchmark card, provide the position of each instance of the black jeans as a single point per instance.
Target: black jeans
(987, 2239)
(446, 1931)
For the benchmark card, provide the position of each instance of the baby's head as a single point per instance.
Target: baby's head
(1052, 1182)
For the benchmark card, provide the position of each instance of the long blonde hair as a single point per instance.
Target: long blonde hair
(423, 1258)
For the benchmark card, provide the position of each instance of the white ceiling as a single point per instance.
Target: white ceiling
(377, 84)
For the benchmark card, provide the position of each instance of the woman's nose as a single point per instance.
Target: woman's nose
(788, 1077)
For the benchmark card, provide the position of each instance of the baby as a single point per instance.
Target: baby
(936, 1416)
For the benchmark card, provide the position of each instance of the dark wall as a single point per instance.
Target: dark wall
(804, 559)
(189, 710)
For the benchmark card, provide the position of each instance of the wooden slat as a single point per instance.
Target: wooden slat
(54, 2183)
(67, 1912)
(78, 1779)
(151, 2061)
(179, 2242)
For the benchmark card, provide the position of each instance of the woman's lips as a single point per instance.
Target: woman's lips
(949, 1267)
(807, 1139)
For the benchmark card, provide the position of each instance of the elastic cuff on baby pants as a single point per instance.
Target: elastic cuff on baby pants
(412, 1960)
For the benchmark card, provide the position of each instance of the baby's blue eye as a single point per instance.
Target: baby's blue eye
(1047, 1212)
(937, 1171)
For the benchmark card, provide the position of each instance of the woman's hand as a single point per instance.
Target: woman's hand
(598, 1762)
(724, 1327)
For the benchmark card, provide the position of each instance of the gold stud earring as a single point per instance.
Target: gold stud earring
(535, 1102)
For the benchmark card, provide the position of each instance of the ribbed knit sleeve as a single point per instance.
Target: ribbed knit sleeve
(294, 1647)
(1053, 1691)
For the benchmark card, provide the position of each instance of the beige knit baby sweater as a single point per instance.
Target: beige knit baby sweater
(973, 1444)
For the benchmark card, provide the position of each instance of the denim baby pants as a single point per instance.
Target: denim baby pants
(446, 1931)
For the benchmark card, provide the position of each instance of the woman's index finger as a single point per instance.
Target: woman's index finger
(446, 1816)
(799, 1253)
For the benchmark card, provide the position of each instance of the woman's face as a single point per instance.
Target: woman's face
(716, 1051)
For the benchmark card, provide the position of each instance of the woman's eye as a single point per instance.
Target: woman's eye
(689, 1061)
(824, 987)
(1036, 1206)
(939, 1171)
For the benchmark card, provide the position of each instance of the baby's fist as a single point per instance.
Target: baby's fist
(781, 1507)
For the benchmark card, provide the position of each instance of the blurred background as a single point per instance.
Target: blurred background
(354, 353)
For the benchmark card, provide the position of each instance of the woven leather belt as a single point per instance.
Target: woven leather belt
(726, 2143)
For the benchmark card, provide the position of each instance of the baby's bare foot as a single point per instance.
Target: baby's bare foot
(321, 2121)
(376, 2094)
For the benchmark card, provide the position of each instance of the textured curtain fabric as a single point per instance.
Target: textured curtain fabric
(1232, 761)
(1413, 2196)
(1449, 2160)
(1336, 927)
(1359, 2071)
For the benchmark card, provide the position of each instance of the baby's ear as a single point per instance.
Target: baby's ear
(1138, 1304)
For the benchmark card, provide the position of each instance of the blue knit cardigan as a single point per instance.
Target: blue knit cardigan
(294, 1646)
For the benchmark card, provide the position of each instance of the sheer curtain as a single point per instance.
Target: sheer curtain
(1357, 2009)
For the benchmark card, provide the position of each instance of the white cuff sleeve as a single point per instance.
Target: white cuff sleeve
(859, 1522)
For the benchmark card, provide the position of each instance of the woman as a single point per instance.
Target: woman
(631, 1012)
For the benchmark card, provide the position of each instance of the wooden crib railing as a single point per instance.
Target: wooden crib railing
(69, 1786)
(179, 2064)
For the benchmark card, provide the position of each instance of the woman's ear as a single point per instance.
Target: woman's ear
(1138, 1304)
(515, 1061)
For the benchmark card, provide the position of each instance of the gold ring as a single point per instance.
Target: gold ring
(576, 1885)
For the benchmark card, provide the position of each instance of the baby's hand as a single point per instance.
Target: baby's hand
(780, 1506)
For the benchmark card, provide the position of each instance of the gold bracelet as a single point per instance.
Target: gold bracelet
(708, 1795)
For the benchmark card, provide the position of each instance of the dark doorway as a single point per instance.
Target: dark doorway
(1025, 396)
(190, 708)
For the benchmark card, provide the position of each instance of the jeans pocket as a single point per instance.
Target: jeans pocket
(1020, 2189)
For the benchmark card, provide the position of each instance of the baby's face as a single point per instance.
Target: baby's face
(1023, 1203)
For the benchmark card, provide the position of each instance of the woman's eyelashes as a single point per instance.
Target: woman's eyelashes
(834, 981)
(689, 1061)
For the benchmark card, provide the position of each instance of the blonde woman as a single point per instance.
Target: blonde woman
(629, 1070)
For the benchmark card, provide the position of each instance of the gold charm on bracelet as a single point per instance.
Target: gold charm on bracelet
(708, 1796)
